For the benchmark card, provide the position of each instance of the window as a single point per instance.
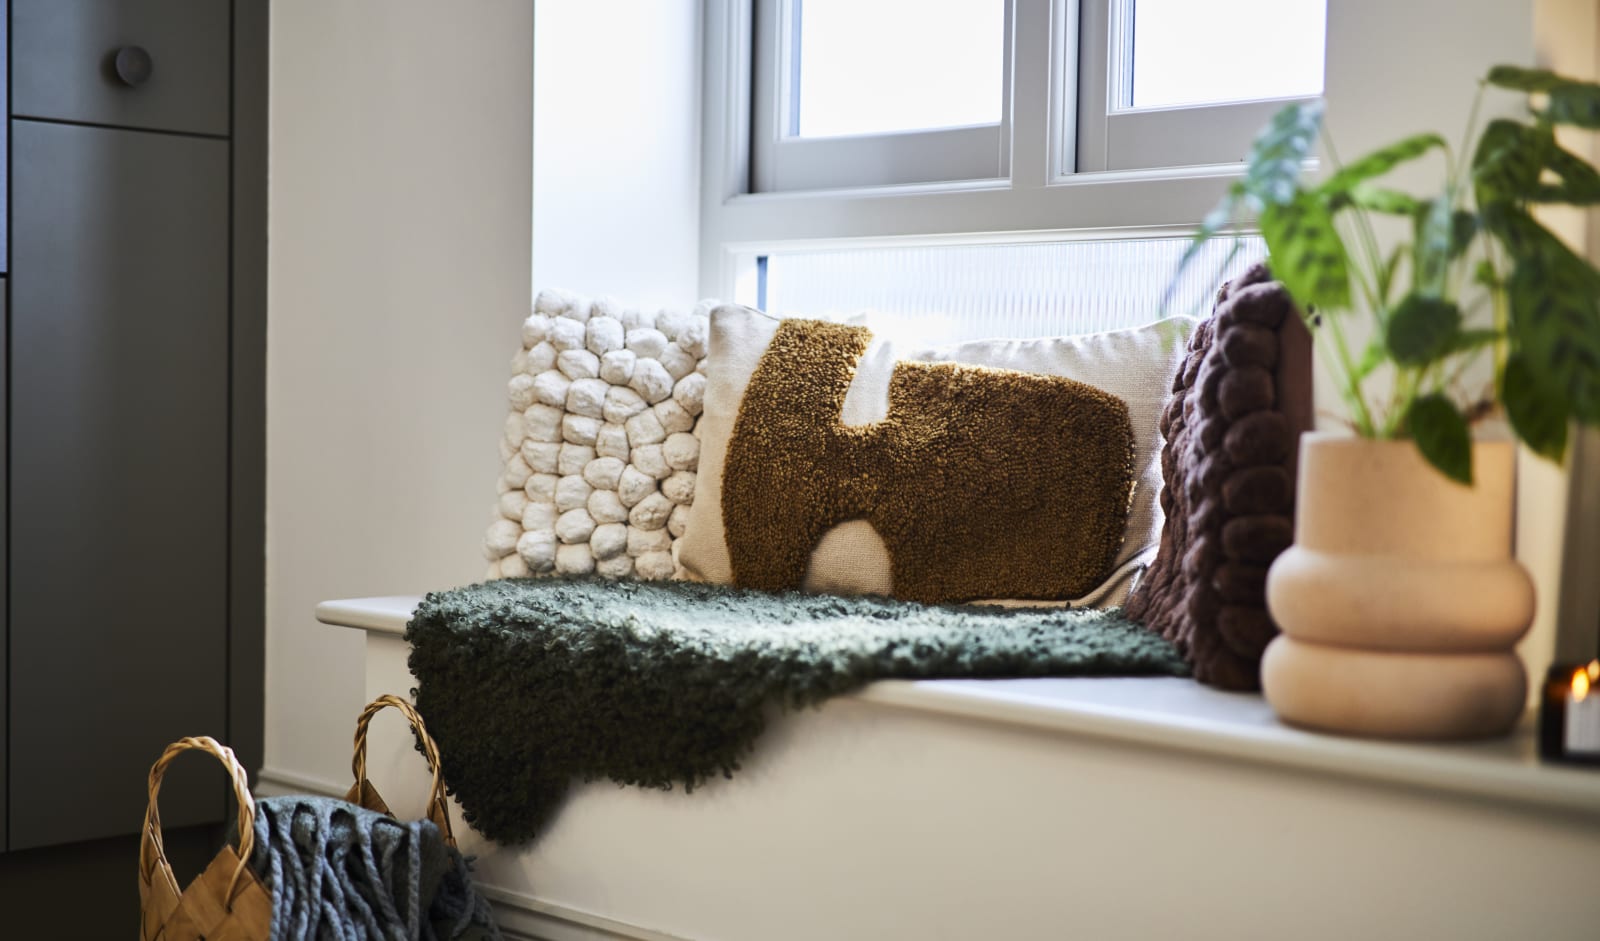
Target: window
(871, 92)
(1176, 43)
(877, 66)
(1168, 83)
(861, 92)
(836, 126)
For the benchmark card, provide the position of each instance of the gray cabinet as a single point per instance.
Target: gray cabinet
(119, 471)
(132, 566)
(5, 668)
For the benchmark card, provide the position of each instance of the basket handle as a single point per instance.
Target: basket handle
(153, 855)
(363, 793)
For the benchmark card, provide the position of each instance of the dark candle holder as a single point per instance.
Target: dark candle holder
(1569, 714)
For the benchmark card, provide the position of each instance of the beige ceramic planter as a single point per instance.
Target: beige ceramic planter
(1399, 601)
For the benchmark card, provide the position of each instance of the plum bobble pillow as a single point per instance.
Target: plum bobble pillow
(1006, 470)
(599, 448)
(1232, 431)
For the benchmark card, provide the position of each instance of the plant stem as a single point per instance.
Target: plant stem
(1406, 384)
(1377, 297)
(1502, 313)
(1330, 361)
(1466, 137)
(1349, 383)
(1344, 365)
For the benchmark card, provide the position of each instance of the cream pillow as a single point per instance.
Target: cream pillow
(599, 447)
(1135, 366)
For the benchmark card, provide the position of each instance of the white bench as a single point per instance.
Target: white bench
(1050, 808)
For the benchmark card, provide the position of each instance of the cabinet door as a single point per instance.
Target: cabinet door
(4, 667)
(130, 63)
(119, 474)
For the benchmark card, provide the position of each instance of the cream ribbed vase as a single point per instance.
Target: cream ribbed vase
(1399, 601)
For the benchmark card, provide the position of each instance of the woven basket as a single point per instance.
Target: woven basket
(364, 794)
(224, 903)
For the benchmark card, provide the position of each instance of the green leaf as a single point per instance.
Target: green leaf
(1517, 231)
(1441, 435)
(1422, 329)
(1517, 78)
(1379, 162)
(1376, 199)
(1579, 186)
(1272, 176)
(1485, 275)
(1509, 160)
(1307, 254)
(1538, 413)
(1434, 246)
(1571, 101)
(1554, 300)
(1272, 173)
(1575, 103)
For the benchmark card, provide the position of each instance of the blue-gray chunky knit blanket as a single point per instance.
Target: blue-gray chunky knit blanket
(339, 872)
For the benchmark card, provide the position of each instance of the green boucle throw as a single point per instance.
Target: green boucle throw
(528, 684)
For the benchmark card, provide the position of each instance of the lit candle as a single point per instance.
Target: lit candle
(1570, 718)
(1583, 713)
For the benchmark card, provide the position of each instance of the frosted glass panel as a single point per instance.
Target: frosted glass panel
(875, 66)
(960, 292)
(1187, 52)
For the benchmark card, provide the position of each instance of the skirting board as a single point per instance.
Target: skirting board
(520, 916)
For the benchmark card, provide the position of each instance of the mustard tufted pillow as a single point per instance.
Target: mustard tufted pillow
(994, 470)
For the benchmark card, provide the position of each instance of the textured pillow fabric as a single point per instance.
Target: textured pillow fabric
(1232, 429)
(599, 448)
(1134, 367)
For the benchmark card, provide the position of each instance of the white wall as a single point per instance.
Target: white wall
(399, 201)
(401, 141)
(616, 169)
(402, 135)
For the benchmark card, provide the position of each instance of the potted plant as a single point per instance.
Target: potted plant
(1399, 601)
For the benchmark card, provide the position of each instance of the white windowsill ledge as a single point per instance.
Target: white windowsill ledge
(1171, 713)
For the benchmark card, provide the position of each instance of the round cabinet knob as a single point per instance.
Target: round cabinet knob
(133, 65)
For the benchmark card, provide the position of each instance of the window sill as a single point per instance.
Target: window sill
(1179, 714)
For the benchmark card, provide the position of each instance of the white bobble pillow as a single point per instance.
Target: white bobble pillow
(600, 446)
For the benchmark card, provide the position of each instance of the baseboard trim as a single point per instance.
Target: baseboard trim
(277, 782)
(520, 913)
(520, 916)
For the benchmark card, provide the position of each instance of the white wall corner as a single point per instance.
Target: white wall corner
(399, 203)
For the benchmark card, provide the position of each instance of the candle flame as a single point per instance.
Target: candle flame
(1580, 684)
(1594, 671)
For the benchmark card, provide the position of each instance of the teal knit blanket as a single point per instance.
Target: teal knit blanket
(338, 872)
(530, 684)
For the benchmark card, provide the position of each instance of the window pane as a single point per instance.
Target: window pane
(952, 293)
(1187, 52)
(874, 66)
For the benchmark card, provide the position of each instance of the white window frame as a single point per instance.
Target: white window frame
(781, 160)
(1041, 193)
(1114, 136)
